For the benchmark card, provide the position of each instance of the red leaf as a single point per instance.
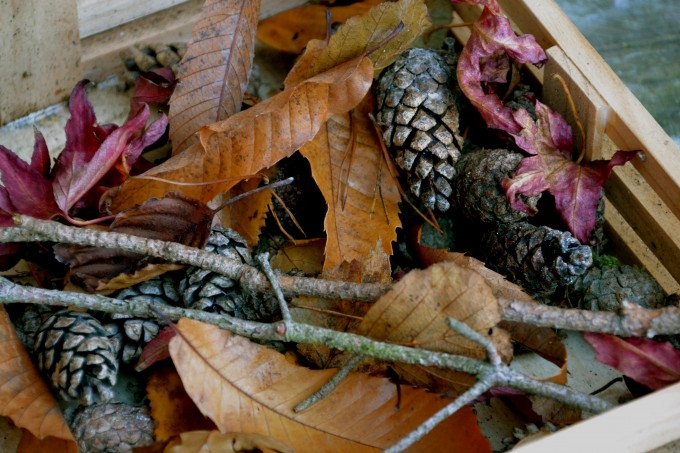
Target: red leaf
(28, 190)
(78, 171)
(153, 87)
(40, 160)
(156, 350)
(651, 363)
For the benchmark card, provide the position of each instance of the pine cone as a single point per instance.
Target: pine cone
(135, 333)
(28, 321)
(78, 355)
(477, 188)
(143, 59)
(212, 292)
(539, 258)
(606, 287)
(416, 108)
(112, 427)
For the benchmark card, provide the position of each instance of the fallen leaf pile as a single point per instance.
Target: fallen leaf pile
(222, 392)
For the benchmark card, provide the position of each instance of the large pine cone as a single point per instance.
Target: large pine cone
(212, 292)
(477, 188)
(416, 108)
(112, 427)
(539, 258)
(606, 287)
(78, 355)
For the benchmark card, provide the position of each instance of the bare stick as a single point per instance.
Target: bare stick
(269, 272)
(471, 334)
(332, 383)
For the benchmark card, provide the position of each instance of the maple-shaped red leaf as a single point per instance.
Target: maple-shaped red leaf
(651, 363)
(27, 188)
(40, 160)
(485, 54)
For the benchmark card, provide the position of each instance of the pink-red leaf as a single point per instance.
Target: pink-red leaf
(29, 191)
(153, 87)
(40, 160)
(651, 363)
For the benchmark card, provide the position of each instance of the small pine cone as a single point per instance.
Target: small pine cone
(215, 293)
(112, 427)
(78, 355)
(139, 60)
(135, 333)
(477, 188)
(605, 288)
(28, 323)
(416, 108)
(539, 258)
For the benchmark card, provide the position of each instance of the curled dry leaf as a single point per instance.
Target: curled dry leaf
(291, 30)
(414, 312)
(216, 441)
(27, 400)
(173, 218)
(254, 139)
(350, 169)
(245, 387)
(213, 74)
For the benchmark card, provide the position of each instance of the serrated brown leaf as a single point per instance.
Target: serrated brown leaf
(363, 34)
(213, 74)
(291, 30)
(362, 194)
(215, 441)
(171, 408)
(414, 313)
(25, 397)
(245, 387)
(254, 139)
(173, 218)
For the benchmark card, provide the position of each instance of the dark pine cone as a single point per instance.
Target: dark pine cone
(135, 333)
(538, 258)
(112, 427)
(141, 59)
(416, 108)
(78, 355)
(215, 293)
(606, 287)
(477, 188)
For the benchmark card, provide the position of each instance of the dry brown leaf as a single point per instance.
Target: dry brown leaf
(171, 408)
(414, 313)
(215, 441)
(25, 397)
(305, 256)
(31, 444)
(245, 387)
(362, 195)
(247, 216)
(291, 30)
(254, 139)
(213, 74)
(362, 34)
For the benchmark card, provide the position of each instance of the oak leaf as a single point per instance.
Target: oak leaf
(414, 313)
(254, 139)
(194, 441)
(291, 30)
(27, 400)
(652, 363)
(245, 387)
(213, 74)
(362, 194)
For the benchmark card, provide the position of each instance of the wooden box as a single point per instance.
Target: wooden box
(68, 40)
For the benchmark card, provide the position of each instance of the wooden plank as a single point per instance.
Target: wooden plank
(40, 54)
(96, 16)
(636, 427)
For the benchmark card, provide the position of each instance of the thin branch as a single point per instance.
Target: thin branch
(269, 272)
(332, 383)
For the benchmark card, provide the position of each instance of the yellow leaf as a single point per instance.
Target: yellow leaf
(215, 441)
(305, 256)
(25, 397)
(414, 313)
(254, 139)
(213, 74)
(362, 196)
(291, 30)
(245, 387)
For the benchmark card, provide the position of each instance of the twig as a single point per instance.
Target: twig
(329, 386)
(471, 334)
(269, 272)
